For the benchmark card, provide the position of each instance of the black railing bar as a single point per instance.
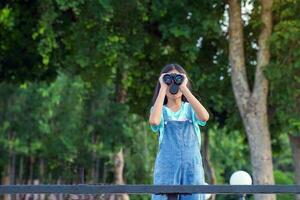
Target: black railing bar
(149, 189)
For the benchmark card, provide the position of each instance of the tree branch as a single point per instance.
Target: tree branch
(263, 54)
(237, 56)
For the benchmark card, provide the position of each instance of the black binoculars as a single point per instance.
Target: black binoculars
(174, 80)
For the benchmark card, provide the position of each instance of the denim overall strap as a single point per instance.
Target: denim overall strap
(165, 118)
(178, 160)
(190, 118)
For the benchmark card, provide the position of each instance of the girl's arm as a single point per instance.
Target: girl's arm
(155, 115)
(200, 111)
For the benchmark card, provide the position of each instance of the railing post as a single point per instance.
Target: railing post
(172, 196)
(242, 197)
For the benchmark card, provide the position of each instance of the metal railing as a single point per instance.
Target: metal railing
(172, 191)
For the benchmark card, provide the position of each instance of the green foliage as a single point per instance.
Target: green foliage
(284, 178)
(283, 72)
(6, 18)
(65, 124)
(228, 153)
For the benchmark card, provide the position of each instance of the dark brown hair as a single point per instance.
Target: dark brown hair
(166, 69)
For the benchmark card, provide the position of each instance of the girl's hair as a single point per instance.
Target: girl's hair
(166, 69)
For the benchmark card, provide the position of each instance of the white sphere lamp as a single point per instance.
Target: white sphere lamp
(240, 178)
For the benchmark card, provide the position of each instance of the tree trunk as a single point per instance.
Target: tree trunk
(104, 177)
(120, 97)
(13, 171)
(5, 181)
(42, 170)
(60, 195)
(295, 144)
(118, 167)
(253, 105)
(19, 180)
(118, 173)
(12, 165)
(97, 169)
(81, 174)
(21, 169)
(95, 165)
(12, 168)
(207, 163)
(9, 169)
(121, 90)
(31, 167)
(41, 178)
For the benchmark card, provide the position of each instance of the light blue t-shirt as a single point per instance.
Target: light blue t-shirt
(180, 115)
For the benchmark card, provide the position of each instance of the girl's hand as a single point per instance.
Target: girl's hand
(163, 85)
(184, 83)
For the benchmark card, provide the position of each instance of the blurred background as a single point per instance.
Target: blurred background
(77, 78)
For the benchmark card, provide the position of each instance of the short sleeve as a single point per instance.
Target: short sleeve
(157, 127)
(195, 118)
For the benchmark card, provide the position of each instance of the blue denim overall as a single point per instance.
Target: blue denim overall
(179, 161)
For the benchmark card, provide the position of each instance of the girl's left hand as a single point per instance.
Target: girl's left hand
(185, 81)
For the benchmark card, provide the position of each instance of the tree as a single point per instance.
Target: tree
(253, 104)
(283, 74)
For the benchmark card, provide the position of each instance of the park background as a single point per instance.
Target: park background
(77, 79)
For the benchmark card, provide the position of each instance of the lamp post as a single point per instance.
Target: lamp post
(241, 178)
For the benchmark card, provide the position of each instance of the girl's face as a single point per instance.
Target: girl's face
(179, 93)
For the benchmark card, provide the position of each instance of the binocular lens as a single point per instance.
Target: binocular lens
(178, 79)
(167, 78)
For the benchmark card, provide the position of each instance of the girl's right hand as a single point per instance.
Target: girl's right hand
(161, 81)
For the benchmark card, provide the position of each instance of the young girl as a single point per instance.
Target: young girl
(176, 118)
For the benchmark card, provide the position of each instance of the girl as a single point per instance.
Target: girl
(176, 118)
